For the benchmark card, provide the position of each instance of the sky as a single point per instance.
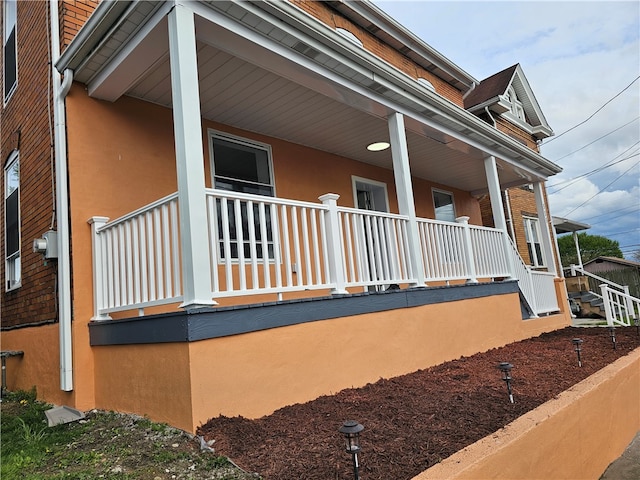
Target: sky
(579, 58)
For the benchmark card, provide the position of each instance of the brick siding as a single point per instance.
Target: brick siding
(334, 19)
(25, 126)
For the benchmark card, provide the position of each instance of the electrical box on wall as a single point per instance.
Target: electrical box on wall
(47, 245)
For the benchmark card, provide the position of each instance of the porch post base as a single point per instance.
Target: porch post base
(100, 318)
(195, 304)
(339, 291)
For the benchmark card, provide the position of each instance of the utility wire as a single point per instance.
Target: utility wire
(611, 218)
(594, 113)
(571, 181)
(600, 191)
(597, 139)
(599, 168)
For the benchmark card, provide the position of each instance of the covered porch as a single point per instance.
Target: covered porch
(274, 70)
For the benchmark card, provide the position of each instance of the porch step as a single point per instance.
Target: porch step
(590, 304)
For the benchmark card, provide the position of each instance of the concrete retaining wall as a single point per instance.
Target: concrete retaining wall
(574, 436)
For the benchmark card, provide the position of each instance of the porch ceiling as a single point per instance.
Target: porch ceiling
(249, 86)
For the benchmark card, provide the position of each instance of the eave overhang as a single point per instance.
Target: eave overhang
(105, 37)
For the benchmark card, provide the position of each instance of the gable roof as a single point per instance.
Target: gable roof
(490, 88)
(491, 93)
(619, 261)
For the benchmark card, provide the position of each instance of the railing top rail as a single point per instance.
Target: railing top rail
(619, 294)
(139, 211)
(263, 198)
(546, 274)
(577, 268)
(372, 213)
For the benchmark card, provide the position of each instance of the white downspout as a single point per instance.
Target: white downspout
(60, 91)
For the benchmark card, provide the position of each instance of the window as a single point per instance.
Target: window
(516, 105)
(10, 49)
(12, 221)
(532, 236)
(427, 84)
(443, 205)
(240, 165)
(349, 36)
(369, 194)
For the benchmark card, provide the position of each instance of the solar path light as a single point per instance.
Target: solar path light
(612, 334)
(505, 368)
(351, 431)
(577, 342)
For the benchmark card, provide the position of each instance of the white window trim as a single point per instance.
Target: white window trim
(350, 36)
(355, 179)
(212, 134)
(427, 84)
(453, 202)
(7, 96)
(13, 158)
(529, 223)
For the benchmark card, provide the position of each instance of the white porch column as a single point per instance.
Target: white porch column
(196, 264)
(545, 232)
(497, 208)
(404, 189)
(577, 244)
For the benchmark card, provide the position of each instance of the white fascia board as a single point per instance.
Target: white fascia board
(148, 45)
(532, 98)
(396, 81)
(496, 104)
(377, 17)
(91, 34)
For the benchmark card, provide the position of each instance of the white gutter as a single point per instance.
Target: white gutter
(60, 91)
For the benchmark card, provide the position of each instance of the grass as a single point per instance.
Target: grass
(105, 445)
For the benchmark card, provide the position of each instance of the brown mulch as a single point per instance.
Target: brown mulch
(416, 420)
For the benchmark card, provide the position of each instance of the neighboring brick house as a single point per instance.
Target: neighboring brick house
(222, 219)
(506, 101)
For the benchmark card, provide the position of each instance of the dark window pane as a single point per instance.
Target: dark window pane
(13, 227)
(10, 67)
(241, 162)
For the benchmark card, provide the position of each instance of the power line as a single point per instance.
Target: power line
(611, 218)
(597, 139)
(622, 233)
(594, 113)
(600, 191)
(585, 175)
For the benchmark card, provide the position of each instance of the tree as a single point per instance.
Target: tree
(591, 246)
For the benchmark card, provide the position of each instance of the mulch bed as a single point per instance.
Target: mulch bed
(416, 420)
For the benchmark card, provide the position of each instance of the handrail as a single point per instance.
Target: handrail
(620, 307)
(577, 268)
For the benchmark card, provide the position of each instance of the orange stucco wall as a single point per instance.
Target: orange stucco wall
(40, 364)
(576, 435)
(256, 373)
(153, 380)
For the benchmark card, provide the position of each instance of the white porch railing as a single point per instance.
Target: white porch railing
(617, 301)
(136, 259)
(620, 308)
(538, 288)
(267, 245)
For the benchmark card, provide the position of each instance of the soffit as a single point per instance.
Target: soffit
(245, 86)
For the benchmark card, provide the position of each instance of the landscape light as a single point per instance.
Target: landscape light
(505, 368)
(577, 342)
(351, 431)
(612, 334)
